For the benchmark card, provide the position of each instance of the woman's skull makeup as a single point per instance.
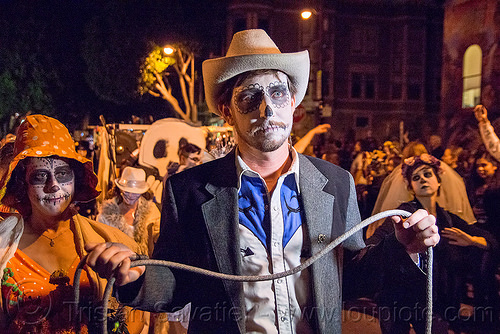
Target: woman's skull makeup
(51, 185)
(249, 99)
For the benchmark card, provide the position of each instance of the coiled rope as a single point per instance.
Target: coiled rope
(304, 265)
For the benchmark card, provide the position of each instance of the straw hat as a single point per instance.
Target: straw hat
(42, 136)
(253, 50)
(133, 180)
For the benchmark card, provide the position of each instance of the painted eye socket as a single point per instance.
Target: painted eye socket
(278, 92)
(427, 175)
(249, 100)
(63, 174)
(38, 177)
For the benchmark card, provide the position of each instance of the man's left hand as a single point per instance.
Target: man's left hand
(418, 232)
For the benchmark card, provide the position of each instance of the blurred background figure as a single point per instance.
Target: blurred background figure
(189, 154)
(83, 148)
(435, 148)
(303, 145)
(451, 155)
(490, 139)
(484, 192)
(131, 210)
(367, 145)
(392, 157)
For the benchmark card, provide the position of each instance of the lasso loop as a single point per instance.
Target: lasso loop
(238, 278)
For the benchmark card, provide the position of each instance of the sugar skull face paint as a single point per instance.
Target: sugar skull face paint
(262, 111)
(51, 185)
(248, 99)
(278, 93)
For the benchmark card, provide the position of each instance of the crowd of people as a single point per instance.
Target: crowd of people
(261, 209)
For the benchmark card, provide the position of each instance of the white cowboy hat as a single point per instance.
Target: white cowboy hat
(133, 180)
(254, 50)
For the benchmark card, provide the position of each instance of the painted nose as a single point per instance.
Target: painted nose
(52, 186)
(266, 112)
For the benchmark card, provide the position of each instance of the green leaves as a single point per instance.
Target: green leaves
(157, 62)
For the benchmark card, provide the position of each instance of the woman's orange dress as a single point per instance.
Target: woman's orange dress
(36, 301)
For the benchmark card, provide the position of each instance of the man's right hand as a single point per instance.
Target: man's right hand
(481, 113)
(113, 259)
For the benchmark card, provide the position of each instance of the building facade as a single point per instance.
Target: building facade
(471, 63)
(375, 64)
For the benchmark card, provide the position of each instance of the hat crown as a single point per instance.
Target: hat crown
(252, 41)
(46, 134)
(131, 174)
(133, 180)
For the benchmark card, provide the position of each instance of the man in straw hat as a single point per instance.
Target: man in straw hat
(261, 209)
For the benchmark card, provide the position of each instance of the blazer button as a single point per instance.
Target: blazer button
(321, 238)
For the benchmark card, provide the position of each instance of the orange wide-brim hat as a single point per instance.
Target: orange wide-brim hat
(42, 136)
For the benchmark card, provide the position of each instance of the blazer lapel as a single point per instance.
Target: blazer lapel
(318, 204)
(221, 219)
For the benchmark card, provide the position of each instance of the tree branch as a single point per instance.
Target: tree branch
(166, 95)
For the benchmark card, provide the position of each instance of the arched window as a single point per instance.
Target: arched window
(472, 76)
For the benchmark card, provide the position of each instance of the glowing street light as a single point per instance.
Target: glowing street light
(168, 50)
(306, 14)
(312, 38)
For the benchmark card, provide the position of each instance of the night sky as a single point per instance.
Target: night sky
(74, 58)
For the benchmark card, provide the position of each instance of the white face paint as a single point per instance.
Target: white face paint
(424, 181)
(262, 111)
(130, 198)
(51, 185)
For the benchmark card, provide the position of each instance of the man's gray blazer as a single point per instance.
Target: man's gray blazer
(199, 227)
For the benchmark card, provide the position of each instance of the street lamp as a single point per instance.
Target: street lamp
(312, 39)
(184, 62)
(306, 14)
(168, 50)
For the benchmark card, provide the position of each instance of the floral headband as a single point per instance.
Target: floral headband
(412, 163)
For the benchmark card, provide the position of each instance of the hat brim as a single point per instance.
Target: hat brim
(135, 190)
(217, 71)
